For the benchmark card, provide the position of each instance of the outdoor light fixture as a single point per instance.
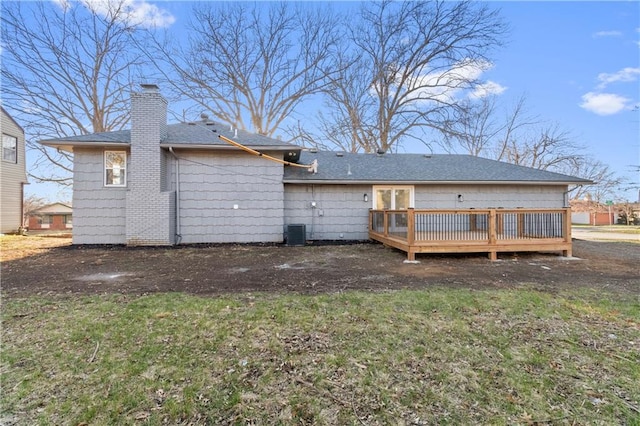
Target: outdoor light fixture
(460, 198)
(366, 198)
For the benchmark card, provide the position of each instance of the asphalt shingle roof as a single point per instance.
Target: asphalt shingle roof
(198, 133)
(416, 168)
(342, 167)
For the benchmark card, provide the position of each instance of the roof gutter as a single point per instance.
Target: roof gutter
(227, 147)
(68, 146)
(427, 182)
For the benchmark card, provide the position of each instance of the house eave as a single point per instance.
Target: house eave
(229, 147)
(425, 182)
(69, 146)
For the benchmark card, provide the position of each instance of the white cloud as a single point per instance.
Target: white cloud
(444, 86)
(486, 89)
(625, 75)
(63, 4)
(604, 103)
(613, 33)
(133, 12)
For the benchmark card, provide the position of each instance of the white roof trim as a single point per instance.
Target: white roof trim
(425, 182)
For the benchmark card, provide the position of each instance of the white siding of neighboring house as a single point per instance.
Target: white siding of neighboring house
(99, 215)
(212, 183)
(12, 177)
(340, 212)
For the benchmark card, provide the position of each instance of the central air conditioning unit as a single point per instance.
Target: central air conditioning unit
(296, 235)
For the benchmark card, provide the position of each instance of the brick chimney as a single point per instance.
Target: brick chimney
(149, 204)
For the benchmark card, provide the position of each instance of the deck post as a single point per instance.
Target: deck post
(385, 223)
(370, 220)
(520, 225)
(411, 227)
(492, 227)
(567, 232)
(493, 255)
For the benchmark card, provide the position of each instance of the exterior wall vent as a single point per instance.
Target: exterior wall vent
(296, 234)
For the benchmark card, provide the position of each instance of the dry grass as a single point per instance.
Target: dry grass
(408, 357)
(13, 247)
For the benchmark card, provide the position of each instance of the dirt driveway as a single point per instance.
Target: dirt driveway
(217, 269)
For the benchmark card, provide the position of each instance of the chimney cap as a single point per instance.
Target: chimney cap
(150, 87)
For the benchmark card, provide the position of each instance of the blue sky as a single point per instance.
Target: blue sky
(577, 63)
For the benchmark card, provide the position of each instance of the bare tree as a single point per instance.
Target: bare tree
(546, 148)
(405, 65)
(477, 130)
(627, 212)
(66, 73)
(522, 139)
(251, 65)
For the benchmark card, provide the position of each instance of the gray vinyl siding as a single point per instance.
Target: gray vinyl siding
(489, 196)
(340, 212)
(12, 177)
(212, 183)
(99, 212)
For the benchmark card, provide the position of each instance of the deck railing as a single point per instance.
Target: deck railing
(473, 230)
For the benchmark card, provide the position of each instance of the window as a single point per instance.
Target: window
(45, 221)
(115, 165)
(9, 149)
(67, 219)
(393, 197)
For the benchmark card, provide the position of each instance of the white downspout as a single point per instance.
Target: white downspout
(178, 235)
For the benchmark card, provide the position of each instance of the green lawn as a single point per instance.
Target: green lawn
(409, 357)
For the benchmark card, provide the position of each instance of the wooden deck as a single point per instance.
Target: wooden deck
(473, 230)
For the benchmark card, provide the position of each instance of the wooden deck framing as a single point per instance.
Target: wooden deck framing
(473, 230)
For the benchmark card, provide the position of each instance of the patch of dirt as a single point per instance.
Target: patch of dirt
(40, 269)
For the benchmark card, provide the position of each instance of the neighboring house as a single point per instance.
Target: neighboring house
(586, 212)
(52, 217)
(13, 174)
(160, 184)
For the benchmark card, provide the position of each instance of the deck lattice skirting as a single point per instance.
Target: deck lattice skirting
(473, 230)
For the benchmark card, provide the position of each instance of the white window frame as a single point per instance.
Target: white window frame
(8, 149)
(393, 188)
(105, 168)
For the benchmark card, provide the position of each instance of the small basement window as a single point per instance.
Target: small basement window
(115, 168)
